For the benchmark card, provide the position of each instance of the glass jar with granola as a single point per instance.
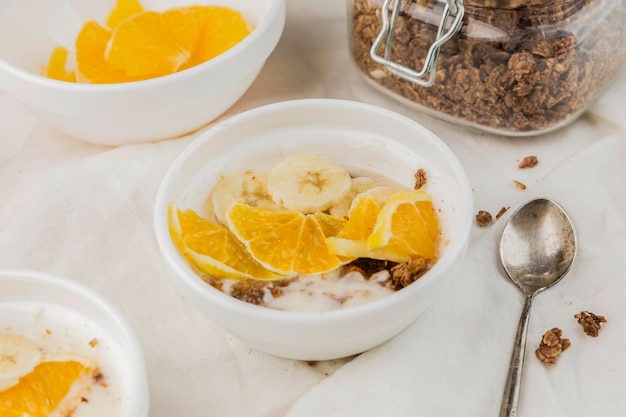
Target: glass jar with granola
(511, 67)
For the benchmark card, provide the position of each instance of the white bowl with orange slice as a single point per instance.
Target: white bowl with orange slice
(64, 349)
(115, 72)
(271, 221)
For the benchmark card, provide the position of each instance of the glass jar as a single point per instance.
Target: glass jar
(512, 67)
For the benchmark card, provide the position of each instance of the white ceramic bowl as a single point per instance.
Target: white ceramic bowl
(118, 114)
(367, 140)
(69, 315)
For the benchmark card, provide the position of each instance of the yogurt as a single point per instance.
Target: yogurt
(59, 331)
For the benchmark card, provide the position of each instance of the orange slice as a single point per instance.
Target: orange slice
(6, 412)
(53, 386)
(91, 67)
(144, 46)
(407, 223)
(330, 225)
(212, 247)
(350, 249)
(351, 241)
(361, 219)
(287, 242)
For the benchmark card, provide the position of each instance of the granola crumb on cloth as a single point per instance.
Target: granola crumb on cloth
(483, 218)
(551, 346)
(528, 162)
(590, 322)
(519, 185)
(502, 211)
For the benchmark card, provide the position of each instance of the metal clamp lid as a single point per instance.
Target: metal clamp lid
(425, 77)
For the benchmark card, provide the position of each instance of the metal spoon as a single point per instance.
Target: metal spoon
(537, 248)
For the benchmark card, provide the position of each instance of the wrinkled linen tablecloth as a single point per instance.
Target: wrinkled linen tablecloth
(85, 212)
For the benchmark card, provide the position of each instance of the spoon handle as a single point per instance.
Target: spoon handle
(510, 398)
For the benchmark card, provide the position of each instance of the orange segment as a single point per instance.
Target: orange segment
(212, 248)
(91, 67)
(252, 222)
(222, 29)
(123, 10)
(427, 211)
(145, 46)
(361, 219)
(351, 241)
(350, 249)
(6, 412)
(330, 225)
(57, 66)
(185, 26)
(400, 226)
(294, 244)
(48, 388)
(136, 44)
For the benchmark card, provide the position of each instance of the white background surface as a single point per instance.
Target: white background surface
(85, 212)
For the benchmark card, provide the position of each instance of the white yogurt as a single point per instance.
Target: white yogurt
(312, 293)
(59, 331)
(324, 293)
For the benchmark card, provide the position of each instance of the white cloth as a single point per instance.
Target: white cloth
(85, 212)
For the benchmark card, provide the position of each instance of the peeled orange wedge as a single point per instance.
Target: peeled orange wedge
(136, 44)
(144, 46)
(123, 10)
(57, 66)
(222, 29)
(91, 66)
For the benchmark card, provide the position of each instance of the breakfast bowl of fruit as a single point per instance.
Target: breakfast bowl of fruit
(314, 229)
(66, 351)
(115, 72)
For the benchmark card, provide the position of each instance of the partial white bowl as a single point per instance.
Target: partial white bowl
(126, 113)
(63, 316)
(365, 139)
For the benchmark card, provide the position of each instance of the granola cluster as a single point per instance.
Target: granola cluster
(515, 67)
(400, 274)
(406, 273)
(530, 161)
(590, 322)
(483, 218)
(551, 346)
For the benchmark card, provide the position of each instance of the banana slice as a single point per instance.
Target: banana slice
(357, 186)
(308, 183)
(247, 186)
(18, 357)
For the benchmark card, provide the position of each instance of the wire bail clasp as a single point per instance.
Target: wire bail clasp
(425, 77)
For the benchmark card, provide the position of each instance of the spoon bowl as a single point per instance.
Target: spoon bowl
(538, 245)
(537, 250)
